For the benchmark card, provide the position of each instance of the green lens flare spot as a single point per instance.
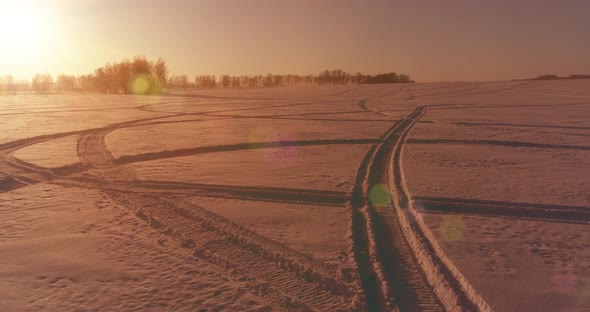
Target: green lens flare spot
(452, 228)
(379, 195)
(140, 85)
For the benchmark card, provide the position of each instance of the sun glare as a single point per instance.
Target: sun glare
(25, 31)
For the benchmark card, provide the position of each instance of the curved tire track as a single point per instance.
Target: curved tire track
(297, 281)
(401, 265)
(126, 159)
(286, 277)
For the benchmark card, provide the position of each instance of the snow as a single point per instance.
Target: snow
(241, 199)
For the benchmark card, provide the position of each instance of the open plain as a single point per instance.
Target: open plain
(412, 197)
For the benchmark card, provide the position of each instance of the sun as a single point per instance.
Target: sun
(25, 31)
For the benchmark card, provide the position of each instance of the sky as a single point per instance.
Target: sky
(432, 40)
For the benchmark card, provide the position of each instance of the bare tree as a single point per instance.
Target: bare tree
(42, 83)
(66, 83)
(161, 74)
(123, 76)
(7, 84)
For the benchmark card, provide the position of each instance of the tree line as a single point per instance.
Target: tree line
(9, 84)
(555, 77)
(326, 77)
(137, 76)
(142, 76)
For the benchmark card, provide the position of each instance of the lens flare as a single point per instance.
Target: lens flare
(260, 134)
(380, 196)
(276, 154)
(140, 85)
(564, 280)
(452, 228)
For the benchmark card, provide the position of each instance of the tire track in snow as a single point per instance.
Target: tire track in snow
(486, 124)
(268, 268)
(499, 143)
(23, 173)
(543, 212)
(402, 267)
(126, 159)
(254, 193)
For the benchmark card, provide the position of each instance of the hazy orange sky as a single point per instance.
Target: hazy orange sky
(430, 40)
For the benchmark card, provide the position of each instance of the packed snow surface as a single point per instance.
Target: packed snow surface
(436, 196)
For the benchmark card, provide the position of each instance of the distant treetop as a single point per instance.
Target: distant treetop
(555, 77)
(326, 77)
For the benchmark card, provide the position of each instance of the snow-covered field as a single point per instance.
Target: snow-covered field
(439, 196)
